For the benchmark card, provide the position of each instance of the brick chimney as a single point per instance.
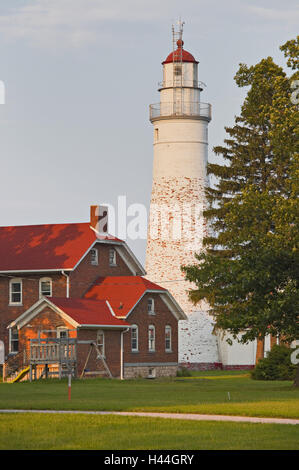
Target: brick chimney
(99, 219)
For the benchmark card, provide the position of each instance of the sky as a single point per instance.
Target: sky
(79, 76)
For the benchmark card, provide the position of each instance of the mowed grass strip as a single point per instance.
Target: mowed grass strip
(236, 395)
(88, 432)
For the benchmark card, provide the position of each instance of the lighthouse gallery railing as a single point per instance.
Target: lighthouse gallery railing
(196, 109)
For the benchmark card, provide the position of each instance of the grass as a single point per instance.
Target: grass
(219, 393)
(89, 432)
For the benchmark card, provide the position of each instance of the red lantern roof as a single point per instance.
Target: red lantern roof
(180, 54)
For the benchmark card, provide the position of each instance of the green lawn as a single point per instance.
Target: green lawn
(209, 393)
(90, 432)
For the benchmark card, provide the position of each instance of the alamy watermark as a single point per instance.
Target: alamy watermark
(295, 93)
(177, 221)
(295, 354)
(2, 92)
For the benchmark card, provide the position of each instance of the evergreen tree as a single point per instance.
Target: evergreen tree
(249, 269)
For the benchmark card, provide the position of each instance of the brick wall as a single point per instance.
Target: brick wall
(81, 280)
(142, 319)
(30, 295)
(86, 273)
(48, 319)
(112, 351)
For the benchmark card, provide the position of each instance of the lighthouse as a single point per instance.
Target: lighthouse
(176, 225)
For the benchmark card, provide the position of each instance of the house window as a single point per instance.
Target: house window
(167, 338)
(151, 338)
(94, 256)
(151, 373)
(15, 292)
(13, 340)
(62, 332)
(101, 343)
(134, 338)
(112, 257)
(151, 306)
(45, 286)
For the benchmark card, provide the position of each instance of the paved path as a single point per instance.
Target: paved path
(195, 417)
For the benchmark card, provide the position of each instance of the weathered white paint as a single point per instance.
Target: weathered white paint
(197, 343)
(267, 345)
(176, 226)
(179, 180)
(236, 354)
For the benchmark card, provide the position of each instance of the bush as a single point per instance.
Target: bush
(276, 366)
(183, 372)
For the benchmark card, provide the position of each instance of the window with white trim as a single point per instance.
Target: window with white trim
(94, 256)
(101, 342)
(151, 306)
(45, 286)
(15, 292)
(151, 338)
(112, 257)
(13, 340)
(167, 338)
(134, 338)
(62, 332)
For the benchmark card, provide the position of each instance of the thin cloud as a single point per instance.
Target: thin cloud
(275, 14)
(76, 22)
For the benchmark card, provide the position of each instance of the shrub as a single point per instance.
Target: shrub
(183, 372)
(276, 366)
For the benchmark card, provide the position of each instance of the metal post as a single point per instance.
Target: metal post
(69, 385)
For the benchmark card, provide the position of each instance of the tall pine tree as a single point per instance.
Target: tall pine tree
(249, 270)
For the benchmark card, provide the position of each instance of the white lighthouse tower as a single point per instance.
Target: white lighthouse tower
(176, 226)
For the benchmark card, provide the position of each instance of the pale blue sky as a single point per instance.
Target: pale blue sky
(79, 76)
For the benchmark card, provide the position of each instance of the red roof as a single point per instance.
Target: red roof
(180, 54)
(88, 312)
(122, 292)
(45, 247)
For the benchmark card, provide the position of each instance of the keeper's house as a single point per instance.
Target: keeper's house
(71, 296)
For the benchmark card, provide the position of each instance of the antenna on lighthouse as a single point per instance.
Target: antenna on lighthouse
(177, 34)
(177, 60)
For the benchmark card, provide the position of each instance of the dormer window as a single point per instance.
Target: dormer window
(15, 292)
(94, 256)
(112, 257)
(151, 306)
(45, 287)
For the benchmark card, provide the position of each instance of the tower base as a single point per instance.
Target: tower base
(201, 349)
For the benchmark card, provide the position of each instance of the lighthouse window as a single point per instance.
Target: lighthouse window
(177, 70)
(156, 134)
